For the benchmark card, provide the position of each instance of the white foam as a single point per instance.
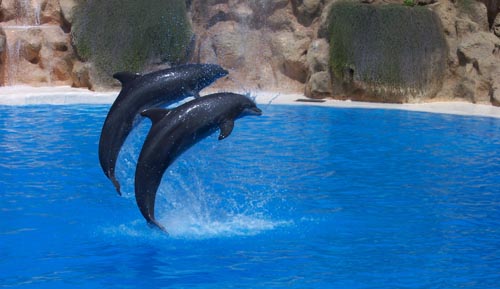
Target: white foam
(191, 227)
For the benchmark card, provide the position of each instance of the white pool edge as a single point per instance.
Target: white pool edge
(65, 95)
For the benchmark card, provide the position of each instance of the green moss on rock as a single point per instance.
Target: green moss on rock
(118, 35)
(389, 50)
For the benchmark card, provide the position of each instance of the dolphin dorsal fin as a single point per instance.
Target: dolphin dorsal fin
(155, 114)
(126, 77)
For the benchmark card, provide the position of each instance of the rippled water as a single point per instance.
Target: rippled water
(301, 197)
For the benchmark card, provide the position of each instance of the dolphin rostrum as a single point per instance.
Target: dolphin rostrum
(139, 92)
(176, 130)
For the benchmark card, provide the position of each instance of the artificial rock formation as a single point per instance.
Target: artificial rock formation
(474, 54)
(284, 45)
(274, 45)
(375, 58)
(37, 46)
(260, 42)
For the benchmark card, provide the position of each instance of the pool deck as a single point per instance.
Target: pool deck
(61, 95)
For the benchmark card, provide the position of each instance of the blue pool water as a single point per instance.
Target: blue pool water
(301, 197)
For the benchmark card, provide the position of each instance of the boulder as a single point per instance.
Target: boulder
(280, 20)
(475, 12)
(495, 97)
(8, 10)
(319, 85)
(319, 82)
(496, 25)
(50, 12)
(493, 8)
(31, 51)
(227, 44)
(267, 6)
(290, 50)
(466, 26)
(81, 75)
(318, 56)
(243, 14)
(31, 45)
(67, 9)
(61, 70)
(482, 50)
(479, 60)
(307, 10)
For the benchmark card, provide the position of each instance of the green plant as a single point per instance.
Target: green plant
(390, 46)
(119, 35)
(409, 3)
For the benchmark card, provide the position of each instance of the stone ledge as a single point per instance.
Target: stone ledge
(65, 95)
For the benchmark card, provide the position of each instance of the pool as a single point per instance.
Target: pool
(301, 197)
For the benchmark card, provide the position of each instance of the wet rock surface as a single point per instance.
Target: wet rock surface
(37, 49)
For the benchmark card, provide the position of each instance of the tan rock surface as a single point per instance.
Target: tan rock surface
(274, 45)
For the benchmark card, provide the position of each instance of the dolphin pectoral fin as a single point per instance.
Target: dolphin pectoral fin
(155, 114)
(126, 77)
(226, 128)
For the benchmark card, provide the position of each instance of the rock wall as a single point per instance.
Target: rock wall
(37, 48)
(284, 46)
(3, 52)
(474, 53)
(274, 45)
(260, 42)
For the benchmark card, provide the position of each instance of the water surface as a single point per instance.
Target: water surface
(301, 197)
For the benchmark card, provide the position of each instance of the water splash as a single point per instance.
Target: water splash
(37, 10)
(185, 224)
(196, 201)
(13, 58)
(28, 12)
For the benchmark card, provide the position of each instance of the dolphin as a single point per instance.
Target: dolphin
(139, 92)
(174, 131)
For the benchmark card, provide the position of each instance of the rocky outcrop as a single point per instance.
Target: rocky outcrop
(319, 82)
(37, 47)
(474, 54)
(275, 45)
(260, 42)
(496, 25)
(3, 52)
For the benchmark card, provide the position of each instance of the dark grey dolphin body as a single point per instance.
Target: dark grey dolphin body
(174, 131)
(139, 92)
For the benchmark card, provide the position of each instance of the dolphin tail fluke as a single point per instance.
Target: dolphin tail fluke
(154, 224)
(115, 183)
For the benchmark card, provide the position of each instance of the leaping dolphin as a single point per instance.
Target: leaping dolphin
(139, 92)
(174, 131)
